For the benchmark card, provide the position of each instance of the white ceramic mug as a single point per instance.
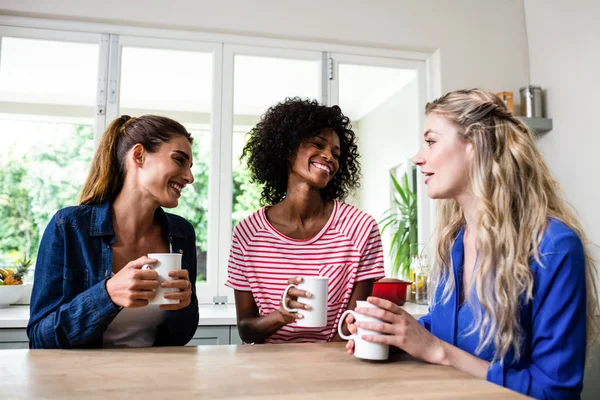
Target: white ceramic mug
(317, 286)
(166, 262)
(362, 348)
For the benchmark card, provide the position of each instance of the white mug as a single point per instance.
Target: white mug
(166, 262)
(362, 348)
(317, 286)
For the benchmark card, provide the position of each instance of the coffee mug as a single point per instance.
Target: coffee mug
(317, 286)
(362, 348)
(166, 262)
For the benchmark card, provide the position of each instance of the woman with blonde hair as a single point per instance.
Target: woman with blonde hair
(90, 289)
(513, 286)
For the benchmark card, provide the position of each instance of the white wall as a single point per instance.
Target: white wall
(482, 42)
(386, 138)
(564, 48)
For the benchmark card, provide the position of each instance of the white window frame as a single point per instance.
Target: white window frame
(205, 290)
(220, 179)
(425, 209)
(225, 219)
(74, 37)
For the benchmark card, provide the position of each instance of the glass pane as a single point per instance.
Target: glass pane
(382, 105)
(259, 83)
(47, 97)
(176, 84)
(48, 72)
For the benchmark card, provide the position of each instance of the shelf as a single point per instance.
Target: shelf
(539, 125)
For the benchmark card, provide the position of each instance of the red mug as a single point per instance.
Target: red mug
(391, 289)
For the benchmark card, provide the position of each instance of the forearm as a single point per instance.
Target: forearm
(259, 329)
(463, 361)
(75, 323)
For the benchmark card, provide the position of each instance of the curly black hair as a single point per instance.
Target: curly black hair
(275, 139)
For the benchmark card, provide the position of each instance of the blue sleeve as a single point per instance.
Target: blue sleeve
(180, 325)
(558, 338)
(425, 321)
(54, 323)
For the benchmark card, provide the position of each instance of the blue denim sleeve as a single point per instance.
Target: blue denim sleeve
(558, 328)
(55, 323)
(180, 325)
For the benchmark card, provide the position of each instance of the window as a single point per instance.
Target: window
(47, 120)
(381, 97)
(255, 78)
(260, 82)
(59, 90)
(176, 80)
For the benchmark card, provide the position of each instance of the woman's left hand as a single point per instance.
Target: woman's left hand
(400, 329)
(182, 282)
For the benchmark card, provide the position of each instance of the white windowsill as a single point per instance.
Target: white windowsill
(210, 315)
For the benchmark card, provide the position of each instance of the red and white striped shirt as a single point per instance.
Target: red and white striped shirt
(347, 250)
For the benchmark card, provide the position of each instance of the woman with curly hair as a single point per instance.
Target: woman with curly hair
(514, 295)
(305, 156)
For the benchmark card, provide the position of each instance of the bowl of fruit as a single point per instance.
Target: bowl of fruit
(11, 283)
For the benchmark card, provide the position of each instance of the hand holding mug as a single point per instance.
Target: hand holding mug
(174, 285)
(132, 286)
(183, 293)
(357, 344)
(312, 312)
(290, 308)
(398, 328)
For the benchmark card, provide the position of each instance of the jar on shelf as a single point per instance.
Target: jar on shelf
(508, 99)
(531, 101)
(414, 265)
(422, 282)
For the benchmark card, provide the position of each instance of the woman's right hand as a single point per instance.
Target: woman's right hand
(133, 286)
(291, 300)
(352, 329)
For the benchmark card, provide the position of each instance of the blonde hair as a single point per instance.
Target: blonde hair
(516, 195)
(107, 173)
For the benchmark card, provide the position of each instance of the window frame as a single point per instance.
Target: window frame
(225, 46)
(205, 290)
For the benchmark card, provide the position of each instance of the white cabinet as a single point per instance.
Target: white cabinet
(16, 338)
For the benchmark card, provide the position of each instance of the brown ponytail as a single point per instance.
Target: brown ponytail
(107, 173)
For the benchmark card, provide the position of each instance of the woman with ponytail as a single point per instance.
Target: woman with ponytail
(90, 289)
(514, 295)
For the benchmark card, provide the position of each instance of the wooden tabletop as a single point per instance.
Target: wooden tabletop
(291, 371)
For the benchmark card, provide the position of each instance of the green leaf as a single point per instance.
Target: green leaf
(399, 189)
(402, 224)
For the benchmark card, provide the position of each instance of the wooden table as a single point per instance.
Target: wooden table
(293, 371)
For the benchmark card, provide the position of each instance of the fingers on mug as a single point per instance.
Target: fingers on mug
(363, 349)
(352, 336)
(284, 299)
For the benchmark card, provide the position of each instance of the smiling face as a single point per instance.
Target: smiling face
(317, 159)
(165, 173)
(444, 159)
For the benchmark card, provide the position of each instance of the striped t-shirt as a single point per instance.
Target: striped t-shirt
(347, 250)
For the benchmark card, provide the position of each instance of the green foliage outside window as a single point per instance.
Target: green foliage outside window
(34, 186)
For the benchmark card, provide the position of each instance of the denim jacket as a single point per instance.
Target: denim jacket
(70, 306)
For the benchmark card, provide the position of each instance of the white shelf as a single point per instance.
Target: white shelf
(539, 125)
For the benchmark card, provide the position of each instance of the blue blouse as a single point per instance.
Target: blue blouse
(554, 322)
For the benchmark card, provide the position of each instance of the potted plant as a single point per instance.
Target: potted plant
(401, 219)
